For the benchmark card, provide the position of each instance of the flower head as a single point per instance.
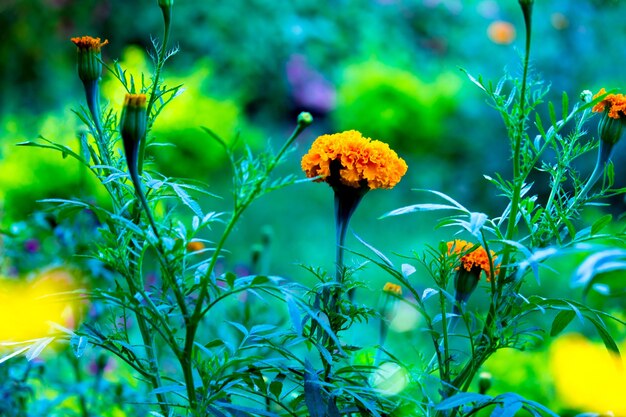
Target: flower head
(615, 104)
(392, 288)
(89, 60)
(87, 43)
(613, 107)
(353, 160)
(475, 261)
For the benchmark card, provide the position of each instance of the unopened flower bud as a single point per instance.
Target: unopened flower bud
(89, 57)
(586, 96)
(133, 122)
(305, 119)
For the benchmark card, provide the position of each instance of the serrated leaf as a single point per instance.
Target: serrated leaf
(561, 321)
(187, 200)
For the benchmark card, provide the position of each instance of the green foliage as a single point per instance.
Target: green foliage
(178, 142)
(396, 106)
(24, 172)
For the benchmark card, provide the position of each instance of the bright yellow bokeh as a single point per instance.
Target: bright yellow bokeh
(587, 377)
(27, 308)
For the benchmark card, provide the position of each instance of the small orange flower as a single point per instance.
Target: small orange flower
(616, 104)
(392, 288)
(195, 246)
(362, 161)
(476, 260)
(501, 32)
(89, 43)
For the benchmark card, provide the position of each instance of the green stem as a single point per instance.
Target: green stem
(148, 340)
(604, 155)
(167, 24)
(517, 146)
(192, 321)
(240, 207)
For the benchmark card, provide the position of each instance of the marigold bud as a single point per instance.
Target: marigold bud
(133, 124)
(89, 57)
(586, 96)
(305, 119)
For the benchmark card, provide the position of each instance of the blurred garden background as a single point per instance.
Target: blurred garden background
(389, 68)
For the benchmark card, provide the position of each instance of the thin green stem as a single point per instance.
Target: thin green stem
(148, 340)
(519, 132)
(240, 207)
(167, 24)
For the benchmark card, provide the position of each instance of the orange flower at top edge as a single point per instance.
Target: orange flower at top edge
(477, 258)
(89, 43)
(616, 104)
(362, 161)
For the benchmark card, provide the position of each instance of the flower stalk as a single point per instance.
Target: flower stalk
(89, 66)
(133, 132)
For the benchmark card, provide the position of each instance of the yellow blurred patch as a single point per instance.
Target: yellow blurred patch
(587, 377)
(28, 307)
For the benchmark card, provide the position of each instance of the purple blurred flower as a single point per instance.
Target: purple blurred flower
(309, 88)
(32, 245)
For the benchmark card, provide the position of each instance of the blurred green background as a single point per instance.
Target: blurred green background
(389, 68)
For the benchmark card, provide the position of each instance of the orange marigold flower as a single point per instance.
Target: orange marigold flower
(363, 161)
(195, 246)
(392, 288)
(615, 103)
(501, 32)
(89, 43)
(476, 260)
